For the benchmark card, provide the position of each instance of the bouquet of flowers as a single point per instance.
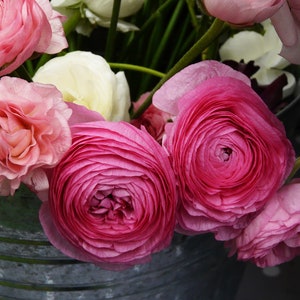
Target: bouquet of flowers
(182, 137)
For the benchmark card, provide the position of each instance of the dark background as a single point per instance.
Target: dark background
(277, 283)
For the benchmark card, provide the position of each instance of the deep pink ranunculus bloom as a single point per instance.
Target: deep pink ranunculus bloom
(34, 133)
(28, 26)
(228, 151)
(273, 237)
(112, 198)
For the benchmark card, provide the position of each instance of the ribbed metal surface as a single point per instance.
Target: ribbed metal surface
(192, 268)
(30, 268)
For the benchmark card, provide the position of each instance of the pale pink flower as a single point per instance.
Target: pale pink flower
(273, 237)
(242, 12)
(228, 151)
(112, 198)
(58, 40)
(28, 26)
(287, 24)
(81, 114)
(166, 98)
(34, 133)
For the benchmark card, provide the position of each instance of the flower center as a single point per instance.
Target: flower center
(225, 153)
(111, 205)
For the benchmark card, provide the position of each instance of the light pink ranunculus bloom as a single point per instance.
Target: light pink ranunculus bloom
(228, 151)
(28, 26)
(81, 114)
(112, 198)
(58, 40)
(166, 98)
(34, 133)
(153, 119)
(242, 12)
(273, 237)
(287, 25)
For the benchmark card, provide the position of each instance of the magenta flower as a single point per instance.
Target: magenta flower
(28, 26)
(34, 133)
(273, 237)
(228, 151)
(112, 198)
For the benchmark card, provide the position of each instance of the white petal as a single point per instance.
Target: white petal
(266, 76)
(246, 45)
(104, 8)
(105, 22)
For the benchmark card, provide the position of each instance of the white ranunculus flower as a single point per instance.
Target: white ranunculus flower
(86, 79)
(105, 22)
(98, 12)
(104, 8)
(264, 51)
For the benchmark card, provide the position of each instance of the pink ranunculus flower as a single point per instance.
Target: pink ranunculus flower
(273, 237)
(58, 40)
(34, 133)
(153, 119)
(166, 98)
(28, 26)
(80, 114)
(112, 198)
(242, 12)
(288, 16)
(228, 151)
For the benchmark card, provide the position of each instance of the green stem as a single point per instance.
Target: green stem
(29, 67)
(42, 60)
(186, 37)
(160, 42)
(191, 8)
(150, 22)
(72, 22)
(137, 68)
(157, 14)
(153, 40)
(165, 38)
(112, 30)
(211, 34)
